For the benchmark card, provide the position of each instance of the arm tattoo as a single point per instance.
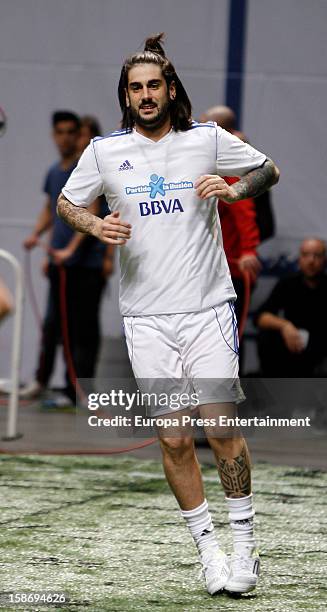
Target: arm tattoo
(257, 181)
(78, 218)
(235, 474)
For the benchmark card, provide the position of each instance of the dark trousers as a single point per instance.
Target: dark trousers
(277, 361)
(84, 288)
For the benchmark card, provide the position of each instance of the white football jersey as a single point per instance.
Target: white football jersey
(174, 262)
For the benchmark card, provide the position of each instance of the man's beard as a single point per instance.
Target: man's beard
(151, 122)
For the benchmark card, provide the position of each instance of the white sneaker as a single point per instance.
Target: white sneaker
(215, 569)
(244, 573)
(31, 391)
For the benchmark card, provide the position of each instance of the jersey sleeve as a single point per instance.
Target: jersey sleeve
(85, 182)
(235, 157)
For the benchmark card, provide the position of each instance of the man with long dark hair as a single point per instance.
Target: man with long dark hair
(161, 174)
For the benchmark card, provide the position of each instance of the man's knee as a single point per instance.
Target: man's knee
(177, 448)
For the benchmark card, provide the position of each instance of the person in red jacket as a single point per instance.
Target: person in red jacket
(238, 222)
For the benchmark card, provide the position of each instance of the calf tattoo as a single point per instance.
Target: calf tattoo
(235, 474)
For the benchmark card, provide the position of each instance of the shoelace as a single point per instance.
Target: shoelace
(239, 562)
(209, 564)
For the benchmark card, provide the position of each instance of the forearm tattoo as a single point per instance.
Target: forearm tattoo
(235, 474)
(257, 181)
(78, 218)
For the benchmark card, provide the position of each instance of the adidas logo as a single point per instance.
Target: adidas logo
(205, 532)
(126, 165)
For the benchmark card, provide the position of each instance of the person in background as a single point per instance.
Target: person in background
(238, 223)
(90, 128)
(82, 259)
(292, 340)
(6, 308)
(6, 301)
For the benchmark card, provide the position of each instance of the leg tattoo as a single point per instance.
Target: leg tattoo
(235, 474)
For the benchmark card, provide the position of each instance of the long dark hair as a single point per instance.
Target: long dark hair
(180, 107)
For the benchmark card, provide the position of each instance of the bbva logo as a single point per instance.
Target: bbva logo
(156, 207)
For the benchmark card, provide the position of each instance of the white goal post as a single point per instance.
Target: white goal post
(11, 429)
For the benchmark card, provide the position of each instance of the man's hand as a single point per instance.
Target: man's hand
(6, 301)
(43, 223)
(212, 185)
(31, 241)
(252, 184)
(292, 337)
(45, 266)
(60, 256)
(250, 263)
(112, 230)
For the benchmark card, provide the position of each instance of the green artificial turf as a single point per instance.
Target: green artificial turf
(107, 531)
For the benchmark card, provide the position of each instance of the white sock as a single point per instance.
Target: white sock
(200, 525)
(241, 513)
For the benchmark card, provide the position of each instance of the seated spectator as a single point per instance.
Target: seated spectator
(292, 340)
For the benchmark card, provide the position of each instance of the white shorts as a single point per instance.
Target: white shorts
(193, 352)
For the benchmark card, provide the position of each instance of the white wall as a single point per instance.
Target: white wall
(284, 106)
(68, 54)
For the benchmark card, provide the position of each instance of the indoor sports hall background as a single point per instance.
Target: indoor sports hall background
(106, 529)
(68, 54)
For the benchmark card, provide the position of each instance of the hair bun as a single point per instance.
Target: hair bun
(154, 44)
